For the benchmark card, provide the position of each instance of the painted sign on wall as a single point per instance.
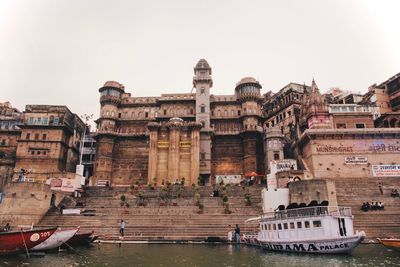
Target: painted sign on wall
(355, 160)
(386, 170)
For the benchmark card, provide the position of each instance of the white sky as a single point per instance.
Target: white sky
(61, 52)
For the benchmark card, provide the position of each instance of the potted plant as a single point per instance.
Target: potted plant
(197, 198)
(226, 208)
(201, 208)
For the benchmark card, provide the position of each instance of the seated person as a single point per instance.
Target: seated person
(7, 227)
(367, 205)
(364, 207)
(395, 193)
(381, 206)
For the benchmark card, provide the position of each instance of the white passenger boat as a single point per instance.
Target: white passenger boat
(319, 229)
(57, 239)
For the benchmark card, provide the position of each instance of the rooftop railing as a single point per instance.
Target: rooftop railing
(309, 212)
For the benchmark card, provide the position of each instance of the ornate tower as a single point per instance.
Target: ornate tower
(202, 82)
(314, 112)
(248, 93)
(110, 99)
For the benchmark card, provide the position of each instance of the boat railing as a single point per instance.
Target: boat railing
(309, 212)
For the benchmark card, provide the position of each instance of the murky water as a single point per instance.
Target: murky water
(203, 255)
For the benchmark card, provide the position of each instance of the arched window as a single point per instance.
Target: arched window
(202, 108)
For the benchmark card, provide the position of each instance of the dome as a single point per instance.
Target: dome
(114, 84)
(202, 64)
(248, 80)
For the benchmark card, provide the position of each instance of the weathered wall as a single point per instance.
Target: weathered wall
(25, 203)
(314, 189)
(327, 158)
(227, 155)
(130, 161)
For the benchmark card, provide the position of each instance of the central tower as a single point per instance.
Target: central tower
(202, 82)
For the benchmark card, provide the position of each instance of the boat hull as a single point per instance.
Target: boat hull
(56, 240)
(19, 241)
(79, 239)
(342, 245)
(390, 242)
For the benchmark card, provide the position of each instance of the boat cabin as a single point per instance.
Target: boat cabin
(306, 223)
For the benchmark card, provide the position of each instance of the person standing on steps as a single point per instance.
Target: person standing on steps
(121, 227)
(237, 234)
(380, 186)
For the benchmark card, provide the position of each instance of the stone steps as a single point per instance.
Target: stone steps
(153, 222)
(353, 192)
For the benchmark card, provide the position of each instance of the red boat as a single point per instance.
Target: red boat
(22, 240)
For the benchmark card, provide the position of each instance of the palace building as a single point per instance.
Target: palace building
(196, 136)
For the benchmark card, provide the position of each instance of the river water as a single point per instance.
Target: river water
(183, 255)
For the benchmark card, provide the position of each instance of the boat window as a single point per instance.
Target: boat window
(307, 224)
(274, 226)
(279, 226)
(292, 225)
(285, 226)
(299, 224)
(316, 224)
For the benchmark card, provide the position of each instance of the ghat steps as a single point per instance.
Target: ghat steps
(155, 222)
(383, 223)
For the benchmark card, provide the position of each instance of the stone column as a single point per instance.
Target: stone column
(173, 153)
(195, 155)
(153, 156)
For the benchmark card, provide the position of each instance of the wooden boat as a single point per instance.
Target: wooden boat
(80, 238)
(56, 240)
(320, 229)
(390, 242)
(22, 240)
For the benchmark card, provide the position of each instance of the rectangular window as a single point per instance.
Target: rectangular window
(38, 120)
(36, 136)
(341, 125)
(146, 115)
(306, 224)
(44, 152)
(32, 152)
(56, 120)
(28, 135)
(45, 121)
(360, 125)
(165, 112)
(38, 152)
(119, 115)
(30, 121)
(292, 225)
(44, 136)
(316, 224)
(238, 112)
(299, 225)
(279, 226)
(285, 226)
(274, 226)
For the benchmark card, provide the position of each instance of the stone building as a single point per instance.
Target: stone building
(148, 139)
(10, 121)
(48, 144)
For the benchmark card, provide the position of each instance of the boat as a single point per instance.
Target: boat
(23, 240)
(390, 242)
(80, 238)
(318, 229)
(56, 240)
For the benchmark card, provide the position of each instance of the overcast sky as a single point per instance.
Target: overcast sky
(61, 52)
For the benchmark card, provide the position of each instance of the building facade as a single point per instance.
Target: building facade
(146, 139)
(10, 131)
(48, 144)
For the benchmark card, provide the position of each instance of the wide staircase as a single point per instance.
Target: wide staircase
(170, 214)
(379, 223)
